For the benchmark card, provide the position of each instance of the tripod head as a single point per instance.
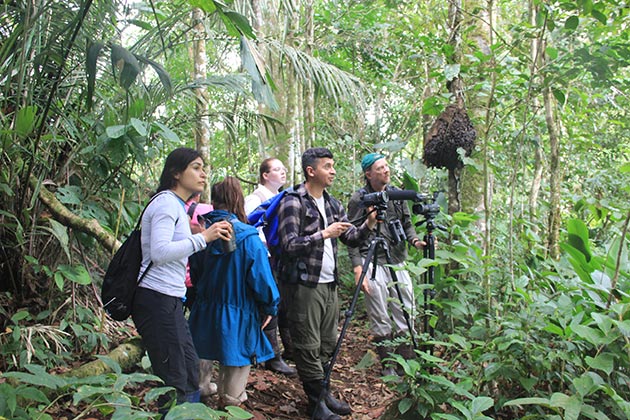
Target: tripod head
(428, 207)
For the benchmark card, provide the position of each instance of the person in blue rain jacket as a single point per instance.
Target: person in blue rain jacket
(236, 297)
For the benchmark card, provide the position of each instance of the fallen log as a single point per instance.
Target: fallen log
(127, 355)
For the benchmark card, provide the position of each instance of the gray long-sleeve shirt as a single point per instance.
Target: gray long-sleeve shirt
(168, 242)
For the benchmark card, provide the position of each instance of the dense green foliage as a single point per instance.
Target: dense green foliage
(95, 94)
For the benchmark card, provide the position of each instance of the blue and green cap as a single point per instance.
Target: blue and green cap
(369, 159)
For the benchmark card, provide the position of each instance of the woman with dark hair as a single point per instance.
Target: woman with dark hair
(167, 242)
(234, 287)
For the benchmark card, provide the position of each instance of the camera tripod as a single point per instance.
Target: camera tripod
(377, 244)
(429, 275)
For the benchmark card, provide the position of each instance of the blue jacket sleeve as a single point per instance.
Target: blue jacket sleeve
(260, 278)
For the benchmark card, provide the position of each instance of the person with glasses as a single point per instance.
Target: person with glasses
(272, 175)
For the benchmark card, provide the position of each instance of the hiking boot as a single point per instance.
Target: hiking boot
(206, 386)
(277, 364)
(287, 343)
(335, 405)
(317, 409)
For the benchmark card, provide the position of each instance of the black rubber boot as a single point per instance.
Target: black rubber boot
(287, 343)
(336, 406)
(277, 364)
(317, 409)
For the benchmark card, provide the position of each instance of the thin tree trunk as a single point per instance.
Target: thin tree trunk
(538, 151)
(309, 90)
(455, 20)
(555, 177)
(257, 24)
(200, 59)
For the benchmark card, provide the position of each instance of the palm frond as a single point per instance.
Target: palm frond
(333, 82)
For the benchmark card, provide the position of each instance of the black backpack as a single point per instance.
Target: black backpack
(121, 278)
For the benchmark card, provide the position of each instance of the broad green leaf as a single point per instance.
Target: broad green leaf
(91, 59)
(207, 6)
(451, 71)
(578, 237)
(462, 409)
(58, 278)
(33, 394)
(559, 400)
(115, 131)
(481, 404)
(591, 335)
(141, 24)
(75, 273)
(167, 132)
(604, 322)
(241, 22)
(404, 405)
(20, 315)
(165, 78)
(127, 65)
(25, 120)
(584, 385)
(552, 52)
(604, 362)
(572, 23)
(38, 377)
(528, 401)
(139, 126)
(573, 408)
(85, 392)
(61, 233)
(599, 16)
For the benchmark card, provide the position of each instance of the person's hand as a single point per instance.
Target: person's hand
(219, 230)
(371, 218)
(195, 228)
(266, 322)
(336, 229)
(365, 286)
(419, 243)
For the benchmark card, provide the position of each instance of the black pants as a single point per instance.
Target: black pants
(160, 321)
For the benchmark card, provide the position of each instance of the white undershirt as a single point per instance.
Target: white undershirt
(327, 275)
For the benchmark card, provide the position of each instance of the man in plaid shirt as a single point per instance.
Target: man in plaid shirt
(310, 221)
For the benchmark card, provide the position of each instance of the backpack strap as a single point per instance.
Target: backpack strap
(191, 209)
(260, 195)
(146, 270)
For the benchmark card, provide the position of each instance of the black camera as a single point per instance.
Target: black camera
(376, 199)
(426, 206)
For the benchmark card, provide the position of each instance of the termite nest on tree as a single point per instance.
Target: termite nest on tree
(449, 132)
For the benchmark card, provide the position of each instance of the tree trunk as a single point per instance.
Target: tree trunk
(200, 59)
(64, 216)
(454, 21)
(555, 178)
(538, 150)
(309, 90)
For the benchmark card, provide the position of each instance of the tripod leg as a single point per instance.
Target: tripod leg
(372, 253)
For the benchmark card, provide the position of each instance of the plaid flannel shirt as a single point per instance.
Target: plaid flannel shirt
(301, 230)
